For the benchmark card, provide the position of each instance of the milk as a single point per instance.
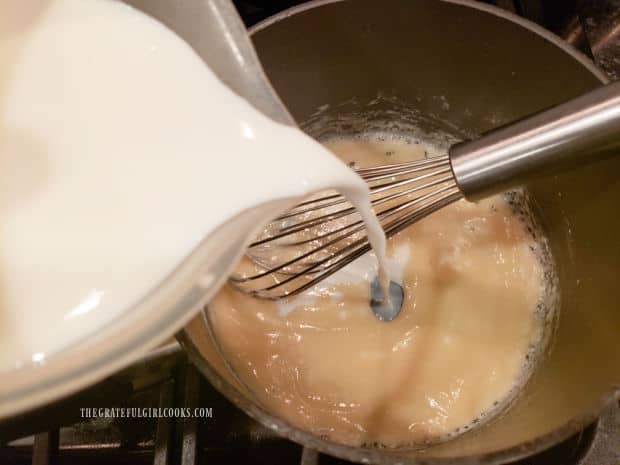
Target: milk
(120, 152)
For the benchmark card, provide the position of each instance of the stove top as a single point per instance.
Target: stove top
(58, 434)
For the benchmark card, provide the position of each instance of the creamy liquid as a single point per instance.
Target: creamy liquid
(120, 151)
(456, 354)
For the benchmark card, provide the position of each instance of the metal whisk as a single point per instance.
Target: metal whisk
(323, 234)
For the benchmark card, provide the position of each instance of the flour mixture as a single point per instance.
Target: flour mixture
(461, 347)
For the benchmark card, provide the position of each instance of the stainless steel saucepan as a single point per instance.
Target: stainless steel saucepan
(472, 67)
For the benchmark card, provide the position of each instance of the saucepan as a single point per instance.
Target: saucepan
(473, 67)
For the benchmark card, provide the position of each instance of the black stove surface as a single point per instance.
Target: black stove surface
(58, 435)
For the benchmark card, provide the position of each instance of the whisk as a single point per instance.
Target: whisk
(324, 233)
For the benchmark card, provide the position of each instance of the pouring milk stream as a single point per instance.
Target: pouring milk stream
(120, 152)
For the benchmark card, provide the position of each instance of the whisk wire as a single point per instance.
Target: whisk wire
(323, 235)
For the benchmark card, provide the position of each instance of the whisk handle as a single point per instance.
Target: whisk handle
(582, 130)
